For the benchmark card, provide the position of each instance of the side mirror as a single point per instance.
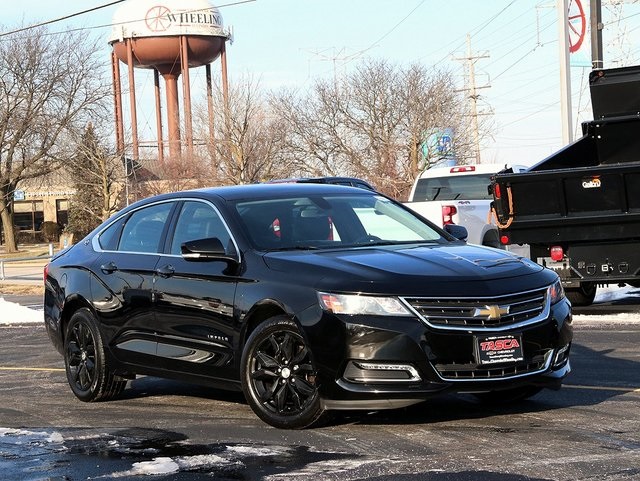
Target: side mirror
(458, 231)
(210, 249)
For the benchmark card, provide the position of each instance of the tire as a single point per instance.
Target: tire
(278, 376)
(492, 239)
(87, 370)
(508, 396)
(583, 295)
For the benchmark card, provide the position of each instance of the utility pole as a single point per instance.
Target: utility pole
(597, 58)
(565, 71)
(473, 96)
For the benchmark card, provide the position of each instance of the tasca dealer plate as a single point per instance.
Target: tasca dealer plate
(495, 349)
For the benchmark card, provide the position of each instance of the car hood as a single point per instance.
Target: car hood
(411, 270)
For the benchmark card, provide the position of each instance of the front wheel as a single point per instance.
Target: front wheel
(278, 376)
(87, 370)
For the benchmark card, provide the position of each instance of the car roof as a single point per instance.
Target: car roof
(257, 191)
(340, 180)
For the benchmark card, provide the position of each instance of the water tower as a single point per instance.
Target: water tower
(168, 36)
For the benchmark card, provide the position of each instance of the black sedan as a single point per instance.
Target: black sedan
(307, 297)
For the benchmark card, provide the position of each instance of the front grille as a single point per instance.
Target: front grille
(472, 371)
(494, 313)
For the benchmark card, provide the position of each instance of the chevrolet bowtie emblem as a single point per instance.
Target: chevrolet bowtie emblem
(492, 313)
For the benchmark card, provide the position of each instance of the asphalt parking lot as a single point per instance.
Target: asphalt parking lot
(590, 430)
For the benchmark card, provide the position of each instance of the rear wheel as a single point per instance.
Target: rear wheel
(508, 395)
(583, 295)
(88, 373)
(278, 376)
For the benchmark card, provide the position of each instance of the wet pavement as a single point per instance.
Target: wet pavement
(168, 430)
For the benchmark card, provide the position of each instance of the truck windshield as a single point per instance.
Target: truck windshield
(464, 187)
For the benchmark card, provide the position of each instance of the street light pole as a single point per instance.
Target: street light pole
(565, 71)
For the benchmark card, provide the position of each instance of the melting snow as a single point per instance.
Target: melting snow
(12, 313)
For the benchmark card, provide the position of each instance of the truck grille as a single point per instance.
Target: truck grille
(496, 313)
(472, 371)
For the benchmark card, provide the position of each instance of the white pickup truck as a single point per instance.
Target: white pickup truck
(459, 195)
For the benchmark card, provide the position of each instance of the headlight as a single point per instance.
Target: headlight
(556, 292)
(357, 304)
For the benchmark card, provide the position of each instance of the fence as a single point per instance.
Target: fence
(3, 262)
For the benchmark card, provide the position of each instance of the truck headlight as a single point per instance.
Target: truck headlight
(361, 304)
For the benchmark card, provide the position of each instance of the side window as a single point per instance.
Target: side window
(109, 238)
(198, 221)
(143, 230)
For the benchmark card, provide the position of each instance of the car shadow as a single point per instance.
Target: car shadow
(595, 378)
(149, 386)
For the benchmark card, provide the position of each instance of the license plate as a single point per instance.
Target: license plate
(495, 349)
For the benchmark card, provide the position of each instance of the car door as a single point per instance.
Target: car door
(123, 286)
(195, 298)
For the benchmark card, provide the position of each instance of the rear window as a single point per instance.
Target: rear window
(464, 187)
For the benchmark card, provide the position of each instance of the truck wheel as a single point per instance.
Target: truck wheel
(583, 295)
(492, 239)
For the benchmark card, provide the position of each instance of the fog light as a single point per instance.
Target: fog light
(377, 372)
(561, 356)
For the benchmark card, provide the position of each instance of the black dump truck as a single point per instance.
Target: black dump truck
(579, 209)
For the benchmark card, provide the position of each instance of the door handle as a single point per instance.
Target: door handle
(165, 271)
(109, 268)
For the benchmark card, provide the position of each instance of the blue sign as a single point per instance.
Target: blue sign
(18, 195)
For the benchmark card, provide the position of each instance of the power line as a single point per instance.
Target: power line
(389, 32)
(95, 27)
(60, 19)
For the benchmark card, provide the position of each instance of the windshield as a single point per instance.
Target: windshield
(328, 221)
(463, 187)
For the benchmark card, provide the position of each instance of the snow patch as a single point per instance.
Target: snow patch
(167, 465)
(23, 436)
(12, 313)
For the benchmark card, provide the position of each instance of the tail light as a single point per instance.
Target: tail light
(496, 191)
(504, 240)
(462, 168)
(557, 253)
(45, 273)
(448, 211)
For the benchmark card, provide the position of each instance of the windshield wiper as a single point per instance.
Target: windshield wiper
(296, 248)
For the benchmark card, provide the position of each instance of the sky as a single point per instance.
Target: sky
(291, 43)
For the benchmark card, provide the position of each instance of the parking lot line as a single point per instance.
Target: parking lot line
(52, 369)
(602, 388)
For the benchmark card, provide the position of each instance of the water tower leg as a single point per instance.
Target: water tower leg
(225, 82)
(156, 85)
(186, 96)
(212, 132)
(173, 114)
(132, 101)
(117, 100)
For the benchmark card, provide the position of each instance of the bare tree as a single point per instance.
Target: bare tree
(96, 174)
(248, 139)
(50, 86)
(373, 123)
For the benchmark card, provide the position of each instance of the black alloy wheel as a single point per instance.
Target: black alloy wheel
(278, 376)
(87, 372)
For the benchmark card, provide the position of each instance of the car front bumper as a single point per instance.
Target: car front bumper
(389, 362)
